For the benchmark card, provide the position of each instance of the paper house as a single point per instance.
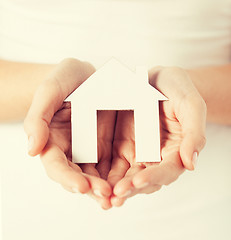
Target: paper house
(116, 87)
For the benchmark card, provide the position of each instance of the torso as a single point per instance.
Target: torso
(151, 32)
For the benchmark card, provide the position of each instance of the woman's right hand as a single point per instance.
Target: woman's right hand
(182, 135)
(48, 127)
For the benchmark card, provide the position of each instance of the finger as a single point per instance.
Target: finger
(99, 186)
(120, 178)
(125, 186)
(147, 189)
(162, 174)
(59, 170)
(105, 133)
(104, 165)
(95, 192)
(123, 146)
(69, 189)
(118, 170)
(104, 202)
(69, 74)
(88, 168)
(119, 201)
(193, 128)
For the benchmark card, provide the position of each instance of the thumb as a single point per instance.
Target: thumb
(49, 97)
(46, 102)
(193, 128)
(38, 132)
(190, 148)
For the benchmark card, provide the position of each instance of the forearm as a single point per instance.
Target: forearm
(214, 85)
(18, 82)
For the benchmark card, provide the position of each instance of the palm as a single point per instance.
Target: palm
(124, 154)
(116, 145)
(170, 132)
(60, 130)
(59, 144)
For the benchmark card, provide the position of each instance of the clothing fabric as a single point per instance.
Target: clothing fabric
(151, 32)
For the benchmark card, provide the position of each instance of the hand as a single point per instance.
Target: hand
(48, 128)
(182, 128)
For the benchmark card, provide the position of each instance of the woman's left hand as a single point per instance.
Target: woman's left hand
(182, 130)
(48, 126)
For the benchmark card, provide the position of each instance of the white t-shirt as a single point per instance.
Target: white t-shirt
(187, 33)
(152, 32)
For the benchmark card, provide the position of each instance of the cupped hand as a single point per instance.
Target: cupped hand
(182, 124)
(182, 129)
(48, 127)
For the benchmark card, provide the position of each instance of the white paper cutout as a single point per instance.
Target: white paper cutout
(115, 87)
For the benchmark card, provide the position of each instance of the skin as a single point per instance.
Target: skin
(18, 83)
(180, 139)
(214, 85)
(82, 178)
(117, 176)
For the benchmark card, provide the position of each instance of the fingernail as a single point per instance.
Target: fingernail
(126, 193)
(75, 190)
(142, 185)
(98, 193)
(30, 143)
(194, 159)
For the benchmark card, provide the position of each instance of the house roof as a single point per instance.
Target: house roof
(116, 81)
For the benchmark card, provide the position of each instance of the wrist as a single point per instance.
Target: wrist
(197, 81)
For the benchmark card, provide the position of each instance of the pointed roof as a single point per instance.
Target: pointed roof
(115, 80)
